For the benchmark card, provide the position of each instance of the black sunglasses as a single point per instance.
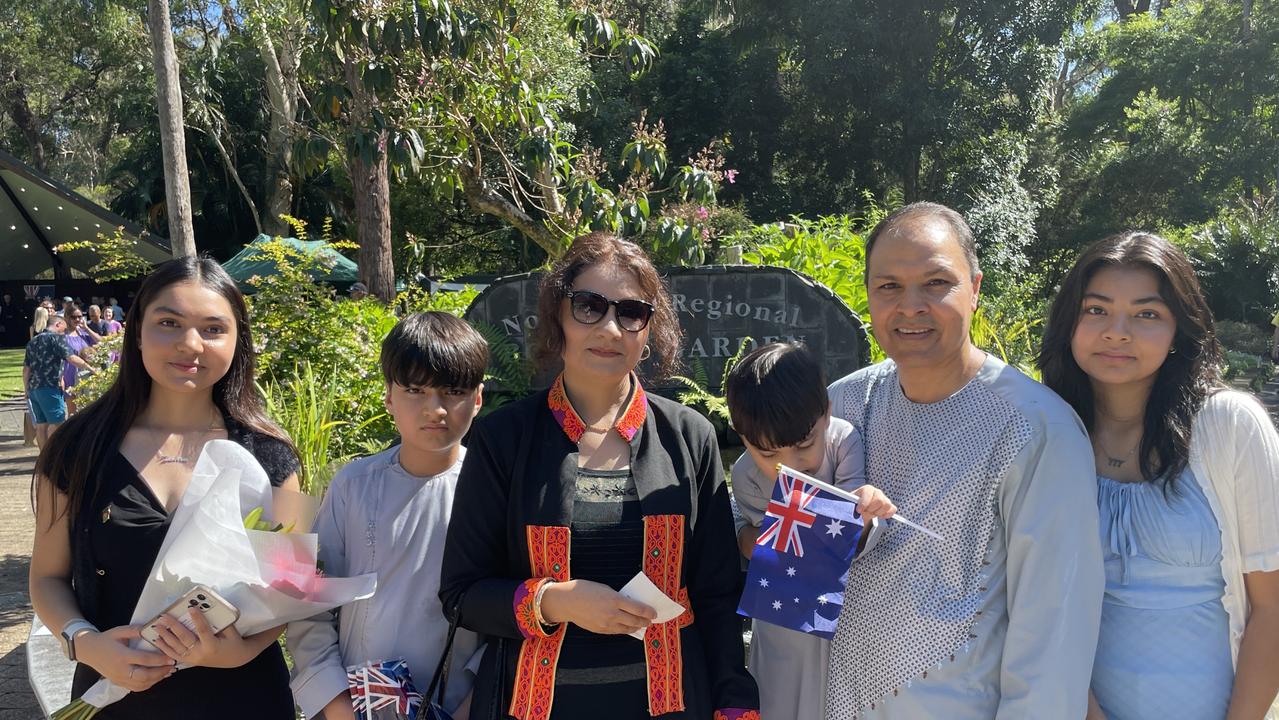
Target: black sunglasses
(591, 307)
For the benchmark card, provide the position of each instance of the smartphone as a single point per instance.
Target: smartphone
(220, 613)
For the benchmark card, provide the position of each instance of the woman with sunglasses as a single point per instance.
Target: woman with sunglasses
(567, 495)
(81, 339)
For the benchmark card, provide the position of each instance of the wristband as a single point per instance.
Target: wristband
(69, 632)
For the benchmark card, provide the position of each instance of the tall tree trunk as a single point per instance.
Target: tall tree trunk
(168, 92)
(371, 183)
(282, 92)
(910, 175)
(372, 188)
(20, 113)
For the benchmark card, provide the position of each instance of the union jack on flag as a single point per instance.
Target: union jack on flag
(791, 513)
(383, 690)
(809, 539)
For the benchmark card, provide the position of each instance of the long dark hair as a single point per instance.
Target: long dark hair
(79, 447)
(602, 248)
(1189, 374)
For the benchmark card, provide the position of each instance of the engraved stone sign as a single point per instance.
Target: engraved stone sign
(719, 308)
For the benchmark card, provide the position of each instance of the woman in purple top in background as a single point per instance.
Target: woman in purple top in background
(80, 338)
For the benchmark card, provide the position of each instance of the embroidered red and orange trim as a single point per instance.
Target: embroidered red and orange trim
(534, 690)
(663, 562)
(569, 421)
(736, 714)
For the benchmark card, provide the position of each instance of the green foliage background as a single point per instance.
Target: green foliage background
(692, 126)
(1049, 123)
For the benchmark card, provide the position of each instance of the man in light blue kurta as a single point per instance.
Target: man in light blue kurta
(1000, 619)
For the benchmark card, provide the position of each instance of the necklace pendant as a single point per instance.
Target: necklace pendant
(168, 459)
(1115, 462)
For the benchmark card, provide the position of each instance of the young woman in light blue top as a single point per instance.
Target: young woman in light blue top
(1188, 489)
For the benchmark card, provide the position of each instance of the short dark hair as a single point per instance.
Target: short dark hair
(1185, 380)
(434, 349)
(927, 210)
(605, 249)
(776, 394)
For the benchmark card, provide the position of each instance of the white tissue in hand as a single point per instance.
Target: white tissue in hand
(641, 589)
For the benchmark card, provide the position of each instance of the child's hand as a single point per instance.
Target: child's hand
(746, 540)
(874, 503)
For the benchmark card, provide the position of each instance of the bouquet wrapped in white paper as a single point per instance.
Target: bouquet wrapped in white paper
(270, 577)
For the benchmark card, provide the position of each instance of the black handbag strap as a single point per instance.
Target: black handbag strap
(440, 680)
(499, 681)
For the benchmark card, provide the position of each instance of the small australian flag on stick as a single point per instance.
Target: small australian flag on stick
(807, 542)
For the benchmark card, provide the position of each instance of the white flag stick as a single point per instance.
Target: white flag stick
(851, 497)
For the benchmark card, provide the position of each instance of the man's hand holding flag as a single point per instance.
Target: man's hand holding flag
(812, 532)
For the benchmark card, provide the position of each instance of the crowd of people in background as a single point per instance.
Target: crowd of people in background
(59, 341)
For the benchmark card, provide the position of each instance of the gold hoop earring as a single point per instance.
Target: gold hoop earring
(646, 353)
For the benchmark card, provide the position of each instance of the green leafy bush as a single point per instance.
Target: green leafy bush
(304, 332)
(116, 258)
(1239, 366)
(102, 358)
(697, 392)
(1010, 327)
(1236, 256)
(305, 405)
(1244, 337)
(510, 372)
(832, 251)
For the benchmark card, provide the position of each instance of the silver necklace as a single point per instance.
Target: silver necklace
(1116, 462)
(166, 459)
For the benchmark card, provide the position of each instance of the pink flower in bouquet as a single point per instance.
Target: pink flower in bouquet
(288, 588)
(730, 176)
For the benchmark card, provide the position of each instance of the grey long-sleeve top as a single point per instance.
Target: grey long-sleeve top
(378, 518)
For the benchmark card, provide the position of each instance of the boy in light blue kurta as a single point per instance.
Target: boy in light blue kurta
(777, 400)
(388, 514)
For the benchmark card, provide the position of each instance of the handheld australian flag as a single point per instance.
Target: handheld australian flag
(807, 542)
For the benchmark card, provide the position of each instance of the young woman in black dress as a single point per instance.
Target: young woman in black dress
(110, 478)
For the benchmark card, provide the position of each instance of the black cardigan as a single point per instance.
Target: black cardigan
(520, 470)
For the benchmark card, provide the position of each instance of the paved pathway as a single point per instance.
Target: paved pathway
(16, 526)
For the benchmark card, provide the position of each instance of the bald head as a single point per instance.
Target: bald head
(925, 217)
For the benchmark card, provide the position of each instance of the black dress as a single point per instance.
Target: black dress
(122, 535)
(598, 671)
